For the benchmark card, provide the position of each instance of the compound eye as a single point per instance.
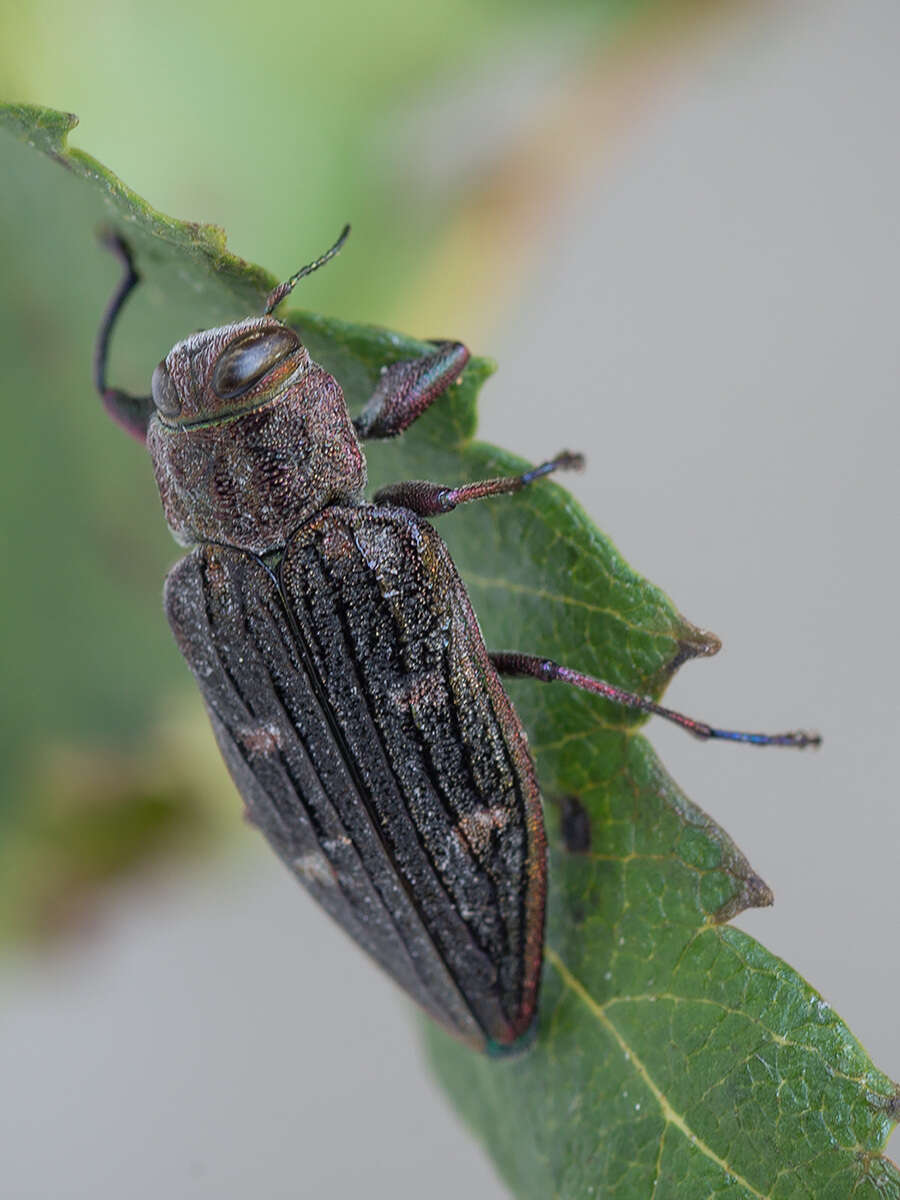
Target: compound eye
(248, 358)
(165, 395)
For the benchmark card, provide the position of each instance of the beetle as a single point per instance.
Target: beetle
(344, 673)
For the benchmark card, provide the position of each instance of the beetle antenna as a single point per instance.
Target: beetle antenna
(276, 296)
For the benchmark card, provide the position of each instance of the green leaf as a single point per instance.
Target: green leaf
(675, 1057)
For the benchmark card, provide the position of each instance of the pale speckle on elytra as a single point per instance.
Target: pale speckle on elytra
(476, 827)
(261, 739)
(314, 868)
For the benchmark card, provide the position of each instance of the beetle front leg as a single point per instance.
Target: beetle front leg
(406, 389)
(431, 499)
(546, 670)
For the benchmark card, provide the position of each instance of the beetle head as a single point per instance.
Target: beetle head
(223, 372)
(249, 436)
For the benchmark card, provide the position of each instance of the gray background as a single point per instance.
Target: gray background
(715, 325)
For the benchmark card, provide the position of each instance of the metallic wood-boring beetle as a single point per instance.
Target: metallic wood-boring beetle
(343, 669)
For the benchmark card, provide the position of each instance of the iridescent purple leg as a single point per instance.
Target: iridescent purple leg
(548, 671)
(406, 389)
(131, 412)
(432, 499)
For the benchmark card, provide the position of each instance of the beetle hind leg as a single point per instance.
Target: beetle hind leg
(547, 671)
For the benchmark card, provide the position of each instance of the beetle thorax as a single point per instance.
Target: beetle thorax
(246, 469)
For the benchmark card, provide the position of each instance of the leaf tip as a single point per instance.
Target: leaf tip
(753, 892)
(692, 643)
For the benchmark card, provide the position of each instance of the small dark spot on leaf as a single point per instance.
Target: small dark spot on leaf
(575, 825)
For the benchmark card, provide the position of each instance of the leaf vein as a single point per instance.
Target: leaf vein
(670, 1116)
(539, 593)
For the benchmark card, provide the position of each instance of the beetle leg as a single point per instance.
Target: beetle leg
(131, 412)
(432, 499)
(406, 389)
(546, 670)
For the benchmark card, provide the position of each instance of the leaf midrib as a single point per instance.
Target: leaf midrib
(670, 1116)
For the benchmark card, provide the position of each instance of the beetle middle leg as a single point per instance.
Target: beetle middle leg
(546, 670)
(431, 499)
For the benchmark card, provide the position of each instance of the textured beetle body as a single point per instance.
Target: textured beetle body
(351, 693)
(347, 681)
(359, 714)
